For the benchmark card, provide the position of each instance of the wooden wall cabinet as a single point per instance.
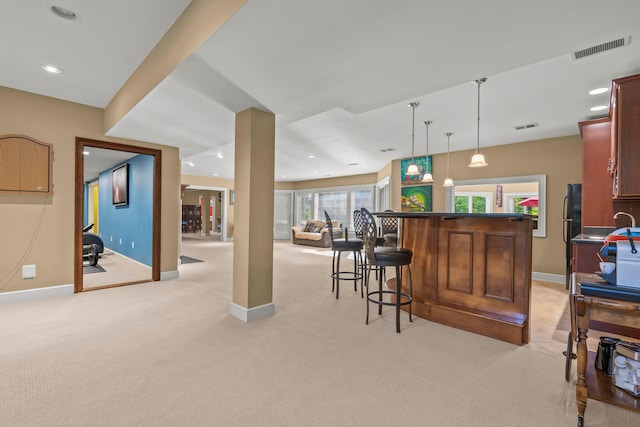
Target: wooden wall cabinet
(597, 183)
(625, 137)
(26, 165)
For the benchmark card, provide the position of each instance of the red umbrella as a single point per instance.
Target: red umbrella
(530, 202)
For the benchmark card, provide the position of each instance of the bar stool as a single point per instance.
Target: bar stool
(345, 245)
(387, 256)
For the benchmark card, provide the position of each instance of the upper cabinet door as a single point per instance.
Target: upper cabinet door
(627, 138)
(26, 165)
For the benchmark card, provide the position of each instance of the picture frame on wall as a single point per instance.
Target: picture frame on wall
(424, 164)
(120, 185)
(417, 198)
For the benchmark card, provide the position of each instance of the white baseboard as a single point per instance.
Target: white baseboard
(37, 293)
(548, 277)
(169, 275)
(249, 314)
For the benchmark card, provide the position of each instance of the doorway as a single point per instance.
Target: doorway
(83, 178)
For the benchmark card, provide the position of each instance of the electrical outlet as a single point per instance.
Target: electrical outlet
(29, 271)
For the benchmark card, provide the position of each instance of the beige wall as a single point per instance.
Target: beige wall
(38, 230)
(560, 159)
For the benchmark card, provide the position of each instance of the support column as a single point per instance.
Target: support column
(253, 215)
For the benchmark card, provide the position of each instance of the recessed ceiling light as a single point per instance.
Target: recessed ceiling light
(599, 108)
(64, 12)
(311, 156)
(220, 156)
(191, 164)
(598, 91)
(215, 174)
(284, 176)
(51, 69)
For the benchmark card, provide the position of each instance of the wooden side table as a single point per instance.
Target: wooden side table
(592, 383)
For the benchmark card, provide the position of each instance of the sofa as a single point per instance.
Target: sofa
(315, 233)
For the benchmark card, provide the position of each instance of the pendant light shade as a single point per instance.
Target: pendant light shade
(412, 170)
(448, 182)
(477, 160)
(426, 176)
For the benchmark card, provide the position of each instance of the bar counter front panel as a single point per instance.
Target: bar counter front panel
(471, 271)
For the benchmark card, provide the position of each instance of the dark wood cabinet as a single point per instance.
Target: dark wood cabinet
(585, 256)
(625, 137)
(597, 182)
(191, 219)
(471, 272)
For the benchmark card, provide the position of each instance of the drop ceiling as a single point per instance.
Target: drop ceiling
(338, 75)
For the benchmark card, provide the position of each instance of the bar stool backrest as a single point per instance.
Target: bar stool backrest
(389, 224)
(358, 223)
(369, 235)
(330, 227)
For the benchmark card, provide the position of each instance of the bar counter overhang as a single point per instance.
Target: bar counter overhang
(471, 271)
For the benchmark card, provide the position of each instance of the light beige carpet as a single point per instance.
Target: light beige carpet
(169, 354)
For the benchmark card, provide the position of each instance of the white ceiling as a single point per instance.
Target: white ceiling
(337, 74)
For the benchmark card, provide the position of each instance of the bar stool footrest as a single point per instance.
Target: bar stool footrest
(407, 298)
(346, 275)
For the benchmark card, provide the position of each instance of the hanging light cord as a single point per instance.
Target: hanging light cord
(413, 105)
(448, 150)
(479, 82)
(427, 123)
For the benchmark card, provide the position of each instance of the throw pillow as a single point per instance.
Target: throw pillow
(317, 229)
(309, 227)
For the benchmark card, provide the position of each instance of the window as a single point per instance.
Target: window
(473, 202)
(383, 189)
(335, 203)
(512, 195)
(338, 202)
(304, 202)
(522, 203)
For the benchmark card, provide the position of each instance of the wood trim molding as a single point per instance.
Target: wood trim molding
(79, 199)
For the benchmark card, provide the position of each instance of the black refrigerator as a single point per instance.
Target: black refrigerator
(571, 222)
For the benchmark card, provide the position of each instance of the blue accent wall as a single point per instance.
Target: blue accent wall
(120, 226)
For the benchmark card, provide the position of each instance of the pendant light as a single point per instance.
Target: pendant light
(448, 182)
(477, 160)
(426, 176)
(412, 170)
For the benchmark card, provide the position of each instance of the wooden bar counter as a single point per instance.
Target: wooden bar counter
(471, 271)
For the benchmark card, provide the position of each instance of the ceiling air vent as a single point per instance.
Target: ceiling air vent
(386, 150)
(527, 126)
(601, 48)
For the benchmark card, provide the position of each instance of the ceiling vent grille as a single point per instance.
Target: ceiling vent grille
(603, 47)
(527, 126)
(386, 150)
